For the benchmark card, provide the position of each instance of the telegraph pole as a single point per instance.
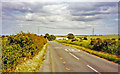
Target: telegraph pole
(38, 30)
(93, 31)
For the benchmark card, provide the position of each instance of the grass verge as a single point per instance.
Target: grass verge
(104, 55)
(32, 65)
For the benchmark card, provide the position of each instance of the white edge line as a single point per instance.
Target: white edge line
(93, 69)
(74, 56)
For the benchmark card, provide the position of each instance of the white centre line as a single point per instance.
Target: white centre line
(93, 69)
(74, 56)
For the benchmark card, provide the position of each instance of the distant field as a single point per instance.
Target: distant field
(94, 37)
(60, 36)
(101, 36)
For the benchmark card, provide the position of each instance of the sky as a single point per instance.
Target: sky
(60, 18)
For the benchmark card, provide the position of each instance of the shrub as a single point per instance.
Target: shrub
(85, 38)
(49, 37)
(113, 39)
(74, 40)
(70, 36)
(80, 39)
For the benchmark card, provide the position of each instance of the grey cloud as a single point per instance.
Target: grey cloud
(68, 16)
(72, 28)
(94, 13)
(86, 19)
(22, 7)
(109, 4)
(93, 9)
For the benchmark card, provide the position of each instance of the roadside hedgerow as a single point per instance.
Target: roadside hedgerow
(18, 48)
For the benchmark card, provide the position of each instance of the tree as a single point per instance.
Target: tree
(46, 35)
(70, 36)
(53, 37)
(49, 37)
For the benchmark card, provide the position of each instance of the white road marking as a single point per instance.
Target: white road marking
(72, 50)
(66, 49)
(67, 68)
(93, 69)
(61, 58)
(74, 56)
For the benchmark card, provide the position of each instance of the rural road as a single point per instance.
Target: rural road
(68, 59)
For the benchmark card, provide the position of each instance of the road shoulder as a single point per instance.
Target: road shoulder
(45, 67)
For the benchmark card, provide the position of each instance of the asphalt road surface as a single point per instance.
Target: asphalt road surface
(68, 59)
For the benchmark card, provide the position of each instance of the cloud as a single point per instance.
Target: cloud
(29, 17)
(60, 1)
(93, 11)
(65, 16)
(52, 13)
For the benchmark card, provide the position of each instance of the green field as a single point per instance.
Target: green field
(94, 36)
(101, 36)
